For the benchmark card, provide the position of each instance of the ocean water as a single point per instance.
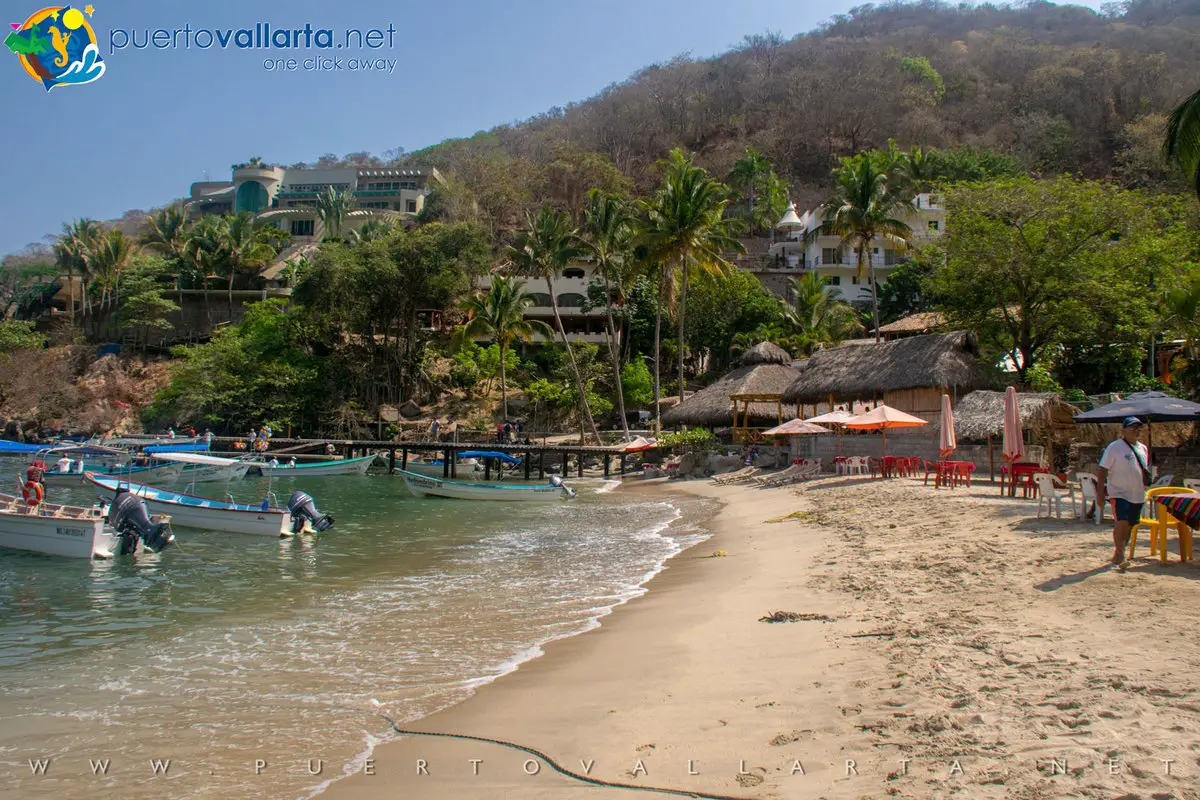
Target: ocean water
(234, 649)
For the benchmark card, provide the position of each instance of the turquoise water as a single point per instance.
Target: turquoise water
(234, 648)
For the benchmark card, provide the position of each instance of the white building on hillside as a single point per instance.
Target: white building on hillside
(570, 288)
(803, 252)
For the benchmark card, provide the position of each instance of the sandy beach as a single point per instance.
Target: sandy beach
(947, 644)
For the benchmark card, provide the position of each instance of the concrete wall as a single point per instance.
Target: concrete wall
(826, 448)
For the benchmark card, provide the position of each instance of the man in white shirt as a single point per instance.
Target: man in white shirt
(1120, 478)
(63, 465)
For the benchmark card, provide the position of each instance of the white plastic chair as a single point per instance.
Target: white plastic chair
(1165, 480)
(1089, 486)
(856, 465)
(1192, 483)
(1049, 493)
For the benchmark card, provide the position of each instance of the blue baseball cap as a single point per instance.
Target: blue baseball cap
(1131, 422)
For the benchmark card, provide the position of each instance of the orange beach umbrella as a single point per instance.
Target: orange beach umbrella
(883, 418)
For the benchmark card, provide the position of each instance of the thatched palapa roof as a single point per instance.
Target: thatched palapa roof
(864, 372)
(980, 414)
(765, 369)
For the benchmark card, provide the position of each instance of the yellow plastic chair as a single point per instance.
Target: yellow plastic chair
(1158, 524)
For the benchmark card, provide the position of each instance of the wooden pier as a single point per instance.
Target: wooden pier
(534, 457)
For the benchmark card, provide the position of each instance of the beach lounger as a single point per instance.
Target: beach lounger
(728, 477)
(768, 478)
(806, 472)
(749, 477)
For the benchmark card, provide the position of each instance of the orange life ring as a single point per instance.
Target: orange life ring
(33, 493)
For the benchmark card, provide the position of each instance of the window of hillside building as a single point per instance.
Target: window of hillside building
(571, 300)
(933, 224)
(854, 280)
(889, 258)
(540, 299)
(411, 207)
(831, 255)
(302, 227)
(574, 272)
(835, 280)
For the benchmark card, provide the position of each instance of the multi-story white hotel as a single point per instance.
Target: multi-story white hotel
(803, 252)
(570, 288)
(288, 197)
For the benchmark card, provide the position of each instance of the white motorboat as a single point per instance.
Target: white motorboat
(219, 515)
(346, 466)
(423, 485)
(200, 468)
(79, 532)
(160, 473)
(434, 469)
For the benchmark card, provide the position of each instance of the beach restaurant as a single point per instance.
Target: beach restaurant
(1047, 421)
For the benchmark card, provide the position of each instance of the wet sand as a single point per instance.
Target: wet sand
(948, 644)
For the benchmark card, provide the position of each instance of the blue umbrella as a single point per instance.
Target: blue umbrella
(1149, 407)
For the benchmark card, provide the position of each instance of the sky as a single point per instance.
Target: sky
(160, 118)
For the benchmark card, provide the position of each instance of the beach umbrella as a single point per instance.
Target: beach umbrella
(946, 441)
(1014, 440)
(883, 418)
(837, 418)
(1150, 407)
(795, 427)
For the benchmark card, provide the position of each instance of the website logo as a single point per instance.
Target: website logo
(57, 46)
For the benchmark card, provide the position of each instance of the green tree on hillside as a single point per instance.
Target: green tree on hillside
(1036, 265)
(499, 315)
(865, 208)
(687, 230)
(546, 246)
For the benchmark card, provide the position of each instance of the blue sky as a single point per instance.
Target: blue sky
(160, 119)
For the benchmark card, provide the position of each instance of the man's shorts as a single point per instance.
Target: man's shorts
(1126, 511)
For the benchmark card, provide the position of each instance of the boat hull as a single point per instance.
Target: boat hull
(55, 536)
(164, 474)
(425, 486)
(353, 466)
(213, 473)
(210, 515)
(435, 470)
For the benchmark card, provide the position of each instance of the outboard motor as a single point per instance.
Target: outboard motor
(128, 517)
(557, 481)
(304, 509)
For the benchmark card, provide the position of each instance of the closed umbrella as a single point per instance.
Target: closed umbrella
(946, 441)
(1014, 440)
(882, 418)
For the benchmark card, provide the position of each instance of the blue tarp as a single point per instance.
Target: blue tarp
(17, 447)
(505, 457)
(175, 448)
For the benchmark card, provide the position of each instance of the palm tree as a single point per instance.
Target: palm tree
(912, 173)
(333, 209)
(113, 252)
(543, 250)
(499, 316)
(815, 316)
(371, 230)
(247, 246)
(746, 174)
(687, 229)
(206, 249)
(167, 231)
(608, 241)
(1182, 141)
(75, 250)
(864, 208)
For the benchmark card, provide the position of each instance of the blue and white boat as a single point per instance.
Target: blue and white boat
(343, 466)
(158, 473)
(424, 485)
(219, 515)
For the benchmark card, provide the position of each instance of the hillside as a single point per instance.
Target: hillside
(1062, 88)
